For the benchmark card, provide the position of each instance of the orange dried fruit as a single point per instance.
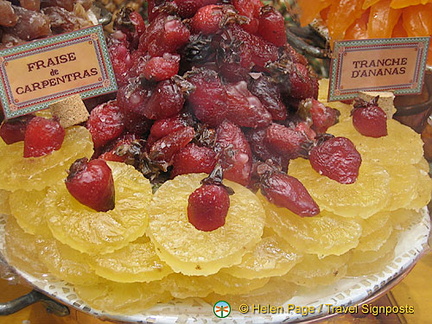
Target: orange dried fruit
(382, 19)
(340, 17)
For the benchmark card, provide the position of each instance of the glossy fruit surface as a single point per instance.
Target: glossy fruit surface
(195, 252)
(369, 119)
(92, 184)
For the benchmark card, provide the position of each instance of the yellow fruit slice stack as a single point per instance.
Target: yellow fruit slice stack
(145, 251)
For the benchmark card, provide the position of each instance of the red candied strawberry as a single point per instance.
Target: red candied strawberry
(42, 136)
(118, 152)
(250, 9)
(133, 97)
(164, 126)
(170, 38)
(287, 141)
(336, 158)
(166, 100)
(131, 23)
(188, 8)
(121, 61)
(207, 19)
(322, 116)
(368, 118)
(209, 99)
(288, 192)
(92, 184)
(268, 93)
(244, 109)
(13, 130)
(161, 67)
(272, 26)
(208, 207)
(164, 149)
(105, 123)
(236, 155)
(193, 159)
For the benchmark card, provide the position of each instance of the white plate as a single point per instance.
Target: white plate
(346, 292)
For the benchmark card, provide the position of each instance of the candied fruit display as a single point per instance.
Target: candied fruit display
(217, 171)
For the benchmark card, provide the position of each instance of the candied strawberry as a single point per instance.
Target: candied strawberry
(164, 149)
(240, 51)
(268, 93)
(161, 67)
(136, 123)
(322, 116)
(121, 61)
(250, 9)
(236, 155)
(244, 109)
(288, 192)
(172, 36)
(118, 151)
(133, 98)
(92, 184)
(208, 207)
(336, 158)
(42, 136)
(207, 20)
(368, 118)
(13, 130)
(188, 8)
(131, 23)
(105, 123)
(287, 141)
(193, 159)
(209, 99)
(260, 149)
(166, 100)
(163, 127)
(272, 26)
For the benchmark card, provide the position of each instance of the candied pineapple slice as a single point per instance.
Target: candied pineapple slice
(21, 249)
(94, 232)
(404, 219)
(402, 145)
(376, 230)
(136, 262)
(66, 263)
(272, 256)
(276, 292)
(313, 271)
(323, 235)
(367, 196)
(194, 252)
(4, 202)
(29, 209)
(122, 298)
(17, 172)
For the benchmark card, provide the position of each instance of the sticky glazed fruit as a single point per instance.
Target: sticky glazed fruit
(221, 173)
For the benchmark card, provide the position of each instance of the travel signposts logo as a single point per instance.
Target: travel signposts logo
(221, 309)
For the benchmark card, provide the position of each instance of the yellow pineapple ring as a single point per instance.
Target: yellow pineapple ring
(21, 249)
(66, 263)
(313, 271)
(271, 256)
(93, 232)
(194, 252)
(323, 235)
(122, 298)
(4, 202)
(402, 145)
(17, 172)
(376, 231)
(136, 262)
(28, 207)
(365, 197)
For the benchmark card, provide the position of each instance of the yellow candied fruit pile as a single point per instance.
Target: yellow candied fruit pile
(145, 251)
(363, 19)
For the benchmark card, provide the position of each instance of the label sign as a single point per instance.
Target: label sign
(38, 73)
(394, 64)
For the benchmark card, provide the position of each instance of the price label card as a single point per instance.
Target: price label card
(37, 73)
(391, 64)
